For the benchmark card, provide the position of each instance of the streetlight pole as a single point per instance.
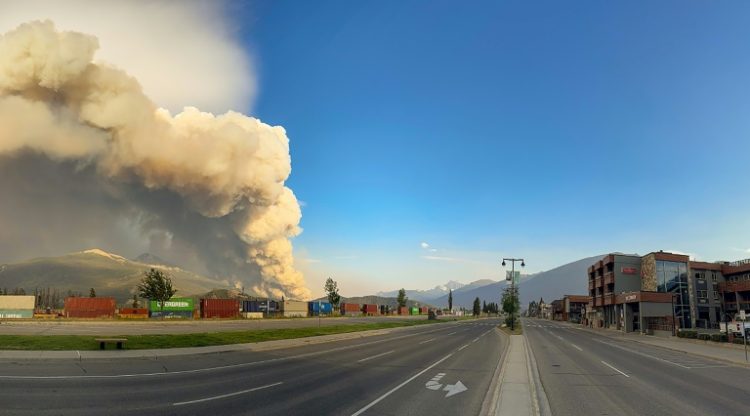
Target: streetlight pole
(513, 288)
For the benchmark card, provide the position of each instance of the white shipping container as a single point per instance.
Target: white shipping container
(252, 315)
(17, 302)
(295, 314)
(294, 306)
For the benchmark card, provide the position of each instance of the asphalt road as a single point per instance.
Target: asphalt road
(584, 373)
(413, 371)
(154, 326)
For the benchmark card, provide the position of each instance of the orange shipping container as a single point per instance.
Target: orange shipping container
(370, 309)
(90, 307)
(403, 310)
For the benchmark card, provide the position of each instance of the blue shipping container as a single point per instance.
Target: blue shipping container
(319, 307)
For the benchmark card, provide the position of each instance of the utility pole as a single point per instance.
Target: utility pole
(513, 288)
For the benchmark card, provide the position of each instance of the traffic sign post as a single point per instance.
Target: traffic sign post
(744, 331)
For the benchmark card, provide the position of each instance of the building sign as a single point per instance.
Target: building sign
(629, 270)
(174, 304)
(630, 298)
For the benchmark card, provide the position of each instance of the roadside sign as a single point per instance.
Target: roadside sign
(509, 273)
(742, 315)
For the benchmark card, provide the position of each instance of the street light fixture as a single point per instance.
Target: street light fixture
(513, 288)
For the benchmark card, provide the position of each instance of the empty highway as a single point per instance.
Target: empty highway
(586, 373)
(442, 369)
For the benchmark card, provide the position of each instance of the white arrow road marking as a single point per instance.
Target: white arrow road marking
(454, 388)
(433, 383)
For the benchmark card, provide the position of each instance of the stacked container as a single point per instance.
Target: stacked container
(16, 307)
(294, 308)
(90, 307)
(370, 309)
(175, 308)
(319, 308)
(349, 309)
(220, 308)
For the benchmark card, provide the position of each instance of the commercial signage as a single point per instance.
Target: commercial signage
(174, 304)
(629, 270)
(509, 273)
(629, 298)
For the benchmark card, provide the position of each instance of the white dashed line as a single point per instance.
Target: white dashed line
(610, 366)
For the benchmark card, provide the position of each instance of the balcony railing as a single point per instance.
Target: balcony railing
(609, 278)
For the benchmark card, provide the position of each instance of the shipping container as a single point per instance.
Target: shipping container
(414, 311)
(264, 306)
(16, 307)
(370, 309)
(220, 308)
(423, 310)
(294, 308)
(252, 315)
(385, 310)
(133, 313)
(350, 309)
(319, 308)
(174, 308)
(90, 307)
(403, 310)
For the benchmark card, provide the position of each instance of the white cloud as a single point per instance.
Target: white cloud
(424, 245)
(432, 250)
(181, 52)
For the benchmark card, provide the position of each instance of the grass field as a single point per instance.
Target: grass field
(86, 342)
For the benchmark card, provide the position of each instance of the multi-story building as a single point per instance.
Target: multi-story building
(640, 293)
(573, 307)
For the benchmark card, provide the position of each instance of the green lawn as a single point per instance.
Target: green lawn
(86, 342)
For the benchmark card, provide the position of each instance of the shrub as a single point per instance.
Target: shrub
(739, 340)
(688, 334)
(719, 337)
(704, 337)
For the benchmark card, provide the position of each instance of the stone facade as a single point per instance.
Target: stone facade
(648, 273)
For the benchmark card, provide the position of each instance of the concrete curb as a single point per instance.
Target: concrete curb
(493, 393)
(540, 396)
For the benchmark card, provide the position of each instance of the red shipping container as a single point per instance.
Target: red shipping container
(403, 310)
(90, 307)
(370, 309)
(350, 309)
(220, 308)
(423, 310)
(133, 311)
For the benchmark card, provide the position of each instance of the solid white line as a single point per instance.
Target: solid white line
(425, 342)
(463, 347)
(643, 354)
(475, 339)
(576, 347)
(375, 356)
(452, 333)
(376, 401)
(227, 395)
(610, 366)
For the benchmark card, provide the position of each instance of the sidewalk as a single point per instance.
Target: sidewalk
(517, 394)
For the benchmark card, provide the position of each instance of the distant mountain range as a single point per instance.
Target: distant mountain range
(109, 274)
(568, 279)
(430, 295)
(378, 300)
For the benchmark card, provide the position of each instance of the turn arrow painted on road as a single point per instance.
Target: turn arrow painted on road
(453, 389)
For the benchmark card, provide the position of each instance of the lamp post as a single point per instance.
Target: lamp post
(513, 288)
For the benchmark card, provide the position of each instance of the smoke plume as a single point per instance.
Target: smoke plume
(86, 157)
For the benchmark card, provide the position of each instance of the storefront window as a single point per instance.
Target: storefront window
(672, 277)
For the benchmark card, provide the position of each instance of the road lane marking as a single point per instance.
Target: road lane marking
(375, 356)
(452, 333)
(391, 391)
(475, 339)
(223, 396)
(610, 366)
(464, 346)
(576, 347)
(642, 354)
(425, 342)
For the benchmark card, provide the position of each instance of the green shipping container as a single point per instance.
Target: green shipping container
(414, 311)
(173, 305)
(16, 313)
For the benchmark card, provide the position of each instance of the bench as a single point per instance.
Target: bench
(103, 341)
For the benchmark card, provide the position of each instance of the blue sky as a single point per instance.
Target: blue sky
(552, 131)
